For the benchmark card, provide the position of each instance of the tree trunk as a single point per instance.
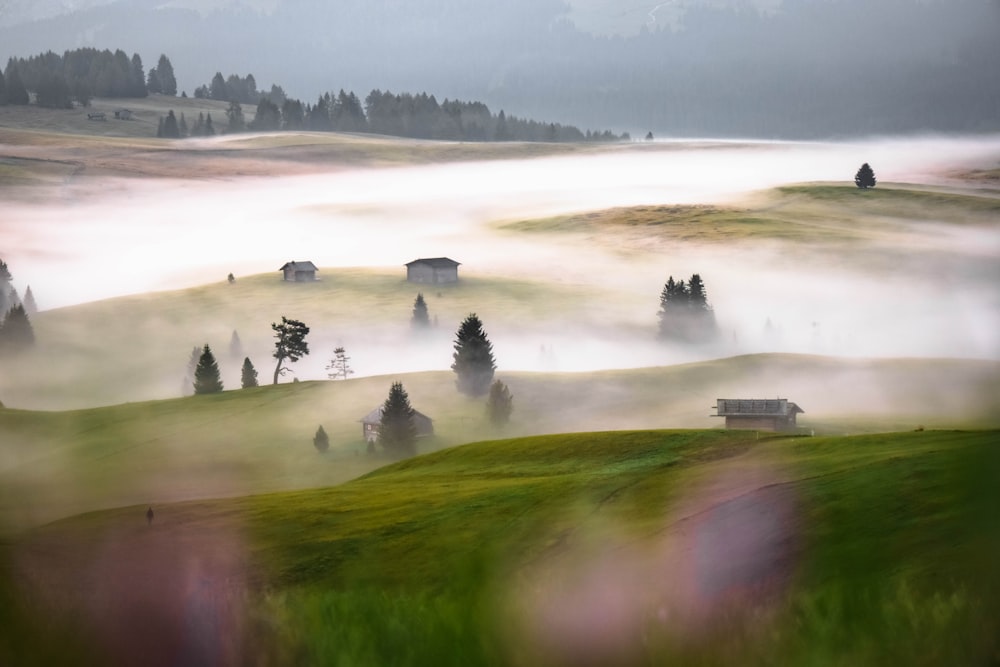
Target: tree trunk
(277, 370)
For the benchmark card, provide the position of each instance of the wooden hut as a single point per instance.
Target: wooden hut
(769, 414)
(299, 272)
(371, 422)
(434, 270)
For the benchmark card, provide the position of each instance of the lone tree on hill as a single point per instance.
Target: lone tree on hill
(321, 441)
(685, 314)
(420, 319)
(248, 376)
(473, 358)
(207, 379)
(500, 404)
(291, 343)
(397, 434)
(16, 333)
(338, 367)
(865, 178)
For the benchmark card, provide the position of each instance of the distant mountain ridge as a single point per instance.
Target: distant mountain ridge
(757, 68)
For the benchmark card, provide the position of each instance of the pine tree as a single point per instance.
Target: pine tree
(235, 346)
(5, 290)
(17, 93)
(685, 314)
(137, 78)
(291, 343)
(397, 433)
(339, 366)
(473, 358)
(3, 89)
(420, 318)
(865, 178)
(165, 72)
(16, 333)
(207, 379)
(500, 404)
(170, 129)
(153, 84)
(209, 129)
(673, 309)
(187, 387)
(235, 115)
(321, 441)
(248, 377)
(29, 302)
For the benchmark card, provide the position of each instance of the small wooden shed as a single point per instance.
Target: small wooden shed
(433, 270)
(769, 414)
(371, 422)
(299, 272)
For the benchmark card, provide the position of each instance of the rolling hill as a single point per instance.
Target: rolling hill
(591, 548)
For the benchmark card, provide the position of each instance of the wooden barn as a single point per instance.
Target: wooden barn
(370, 424)
(769, 414)
(299, 272)
(435, 270)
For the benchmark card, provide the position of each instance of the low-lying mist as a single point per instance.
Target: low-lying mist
(906, 288)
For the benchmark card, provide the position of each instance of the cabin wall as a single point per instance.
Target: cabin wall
(759, 423)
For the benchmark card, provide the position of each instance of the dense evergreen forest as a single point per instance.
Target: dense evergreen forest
(79, 75)
(721, 68)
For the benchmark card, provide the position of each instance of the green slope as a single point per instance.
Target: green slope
(55, 464)
(593, 548)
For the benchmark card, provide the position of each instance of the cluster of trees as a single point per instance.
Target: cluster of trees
(80, 75)
(685, 314)
(403, 115)
(16, 332)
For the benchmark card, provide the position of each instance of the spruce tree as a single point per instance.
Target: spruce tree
(865, 178)
(207, 379)
(420, 318)
(473, 358)
(170, 129)
(16, 91)
(248, 377)
(397, 434)
(16, 333)
(235, 346)
(29, 302)
(235, 115)
(5, 290)
(137, 78)
(165, 73)
(321, 441)
(3, 89)
(153, 84)
(500, 404)
(187, 387)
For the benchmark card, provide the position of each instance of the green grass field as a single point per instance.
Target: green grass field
(564, 549)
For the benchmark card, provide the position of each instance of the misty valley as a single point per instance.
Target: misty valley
(463, 388)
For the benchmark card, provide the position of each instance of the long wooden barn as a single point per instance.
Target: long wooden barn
(758, 414)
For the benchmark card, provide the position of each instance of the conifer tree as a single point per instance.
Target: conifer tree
(291, 343)
(321, 441)
(500, 404)
(235, 346)
(339, 366)
(137, 78)
(420, 318)
(248, 376)
(17, 93)
(153, 84)
(165, 73)
(473, 358)
(29, 302)
(865, 177)
(170, 129)
(5, 290)
(397, 433)
(187, 387)
(235, 115)
(207, 379)
(16, 333)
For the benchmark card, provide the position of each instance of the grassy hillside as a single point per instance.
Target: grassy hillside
(54, 464)
(689, 547)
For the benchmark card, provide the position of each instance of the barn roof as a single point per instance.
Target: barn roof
(436, 262)
(756, 407)
(301, 266)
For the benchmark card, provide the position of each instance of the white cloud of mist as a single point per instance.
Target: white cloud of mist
(111, 238)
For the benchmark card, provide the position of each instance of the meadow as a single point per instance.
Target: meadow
(611, 521)
(629, 547)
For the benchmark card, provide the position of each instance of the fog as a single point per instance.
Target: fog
(923, 288)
